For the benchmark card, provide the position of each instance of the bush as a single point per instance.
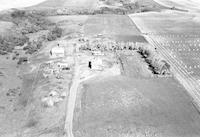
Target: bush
(18, 14)
(3, 52)
(55, 33)
(7, 43)
(22, 60)
(32, 47)
(29, 22)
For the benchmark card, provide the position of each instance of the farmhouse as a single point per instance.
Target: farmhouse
(57, 52)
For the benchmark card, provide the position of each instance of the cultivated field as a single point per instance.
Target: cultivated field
(176, 36)
(119, 27)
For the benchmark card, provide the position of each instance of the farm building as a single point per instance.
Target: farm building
(57, 52)
(63, 65)
(95, 64)
(97, 53)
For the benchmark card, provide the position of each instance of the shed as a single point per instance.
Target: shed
(97, 53)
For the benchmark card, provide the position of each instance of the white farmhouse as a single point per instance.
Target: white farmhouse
(57, 52)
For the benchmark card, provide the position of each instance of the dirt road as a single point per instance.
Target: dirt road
(72, 100)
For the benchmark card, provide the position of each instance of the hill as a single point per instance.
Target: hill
(67, 4)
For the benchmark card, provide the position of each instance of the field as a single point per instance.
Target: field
(177, 38)
(191, 5)
(5, 27)
(134, 66)
(119, 27)
(135, 104)
(71, 25)
(127, 107)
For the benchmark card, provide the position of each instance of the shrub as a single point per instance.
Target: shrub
(22, 60)
(3, 52)
(32, 47)
(7, 43)
(18, 14)
(55, 33)
(29, 22)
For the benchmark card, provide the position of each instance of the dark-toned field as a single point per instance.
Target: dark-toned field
(119, 27)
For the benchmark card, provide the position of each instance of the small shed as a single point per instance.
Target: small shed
(57, 52)
(97, 53)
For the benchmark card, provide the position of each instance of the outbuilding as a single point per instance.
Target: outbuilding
(57, 52)
(95, 64)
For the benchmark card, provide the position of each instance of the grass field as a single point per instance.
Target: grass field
(5, 27)
(129, 107)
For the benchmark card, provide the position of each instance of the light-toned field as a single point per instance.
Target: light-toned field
(5, 27)
(192, 5)
(167, 23)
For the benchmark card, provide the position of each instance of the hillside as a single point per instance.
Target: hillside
(66, 4)
(99, 68)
